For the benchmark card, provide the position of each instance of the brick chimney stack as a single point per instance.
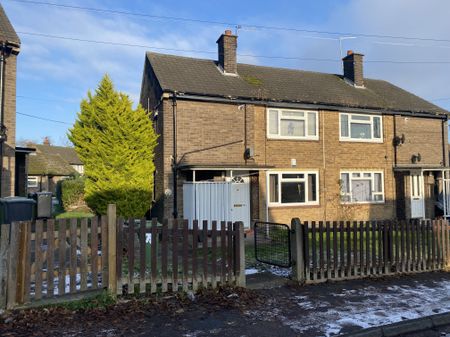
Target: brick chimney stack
(227, 44)
(353, 68)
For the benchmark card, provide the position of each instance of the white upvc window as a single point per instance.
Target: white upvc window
(360, 128)
(293, 188)
(362, 187)
(32, 181)
(292, 124)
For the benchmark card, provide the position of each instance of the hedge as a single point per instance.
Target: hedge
(72, 192)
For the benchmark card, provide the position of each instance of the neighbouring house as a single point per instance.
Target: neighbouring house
(13, 160)
(247, 142)
(50, 164)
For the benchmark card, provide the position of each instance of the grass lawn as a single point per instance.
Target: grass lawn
(74, 214)
(60, 213)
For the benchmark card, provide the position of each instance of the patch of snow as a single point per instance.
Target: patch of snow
(148, 238)
(365, 307)
(278, 271)
(251, 271)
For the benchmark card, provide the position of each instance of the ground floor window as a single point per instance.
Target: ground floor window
(295, 187)
(32, 181)
(362, 187)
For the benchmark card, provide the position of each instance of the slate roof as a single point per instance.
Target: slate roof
(7, 32)
(53, 160)
(202, 77)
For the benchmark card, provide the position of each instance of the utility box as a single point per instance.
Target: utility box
(16, 209)
(43, 204)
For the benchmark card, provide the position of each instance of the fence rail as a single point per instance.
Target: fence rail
(346, 250)
(42, 260)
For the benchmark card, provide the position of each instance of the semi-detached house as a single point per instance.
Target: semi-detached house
(246, 142)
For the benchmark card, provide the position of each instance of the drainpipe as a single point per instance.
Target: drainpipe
(174, 160)
(2, 112)
(444, 156)
(395, 145)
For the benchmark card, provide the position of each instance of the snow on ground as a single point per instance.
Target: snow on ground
(251, 271)
(368, 307)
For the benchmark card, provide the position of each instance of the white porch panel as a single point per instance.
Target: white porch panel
(446, 192)
(216, 201)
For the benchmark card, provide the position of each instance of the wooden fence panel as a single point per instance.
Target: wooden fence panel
(84, 254)
(359, 249)
(164, 255)
(38, 260)
(104, 245)
(62, 257)
(4, 253)
(94, 252)
(185, 255)
(153, 256)
(142, 255)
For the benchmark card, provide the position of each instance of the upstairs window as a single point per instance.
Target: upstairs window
(362, 187)
(293, 188)
(292, 124)
(363, 128)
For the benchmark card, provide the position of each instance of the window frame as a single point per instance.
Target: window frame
(361, 140)
(281, 179)
(36, 178)
(372, 192)
(304, 118)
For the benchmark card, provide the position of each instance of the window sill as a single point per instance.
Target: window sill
(364, 203)
(374, 141)
(309, 139)
(280, 206)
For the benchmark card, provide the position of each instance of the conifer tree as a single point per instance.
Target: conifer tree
(116, 145)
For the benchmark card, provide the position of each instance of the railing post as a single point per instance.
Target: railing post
(112, 240)
(297, 247)
(240, 254)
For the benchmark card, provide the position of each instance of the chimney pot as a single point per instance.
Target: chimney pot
(227, 45)
(349, 52)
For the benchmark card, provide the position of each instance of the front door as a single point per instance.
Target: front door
(417, 196)
(240, 200)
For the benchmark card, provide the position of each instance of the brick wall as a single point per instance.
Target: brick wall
(422, 136)
(201, 126)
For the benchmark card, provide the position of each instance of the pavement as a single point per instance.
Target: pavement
(401, 305)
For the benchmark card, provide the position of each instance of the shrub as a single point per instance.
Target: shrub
(72, 192)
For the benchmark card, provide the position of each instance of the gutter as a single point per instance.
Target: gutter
(299, 105)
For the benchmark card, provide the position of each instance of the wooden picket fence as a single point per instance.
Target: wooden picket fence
(43, 260)
(348, 250)
(177, 255)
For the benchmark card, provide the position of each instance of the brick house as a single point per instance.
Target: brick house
(13, 159)
(251, 142)
(50, 164)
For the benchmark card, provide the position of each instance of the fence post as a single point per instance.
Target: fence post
(4, 253)
(12, 265)
(112, 254)
(240, 254)
(22, 261)
(297, 247)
